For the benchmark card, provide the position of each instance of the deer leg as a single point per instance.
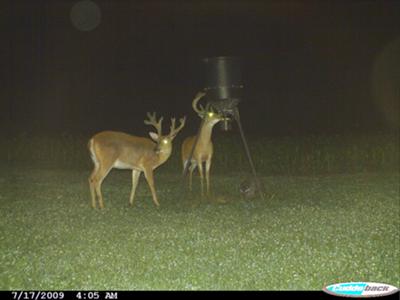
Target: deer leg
(148, 173)
(93, 174)
(97, 185)
(97, 180)
(135, 180)
(208, 167)
(91, 186)
(200, 166)
(191, 169)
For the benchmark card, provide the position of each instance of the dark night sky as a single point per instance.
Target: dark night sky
(309, 67)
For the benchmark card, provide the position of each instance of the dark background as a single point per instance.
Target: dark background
(309, 67)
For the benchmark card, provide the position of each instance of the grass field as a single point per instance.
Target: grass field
(309, 232)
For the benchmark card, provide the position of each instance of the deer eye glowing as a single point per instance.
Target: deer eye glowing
(165, 142)
(210, 114)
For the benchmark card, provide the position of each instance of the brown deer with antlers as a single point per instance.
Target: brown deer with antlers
(203, 151)
(110, 149)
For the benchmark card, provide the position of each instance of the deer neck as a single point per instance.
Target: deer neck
(164, 154)
(205, 133)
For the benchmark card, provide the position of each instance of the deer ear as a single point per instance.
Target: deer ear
(154, 136)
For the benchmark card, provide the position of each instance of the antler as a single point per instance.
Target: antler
(152, 120)
(174, 131)
(200, 110)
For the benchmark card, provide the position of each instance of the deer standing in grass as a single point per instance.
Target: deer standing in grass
(203, 151)
(110, 149)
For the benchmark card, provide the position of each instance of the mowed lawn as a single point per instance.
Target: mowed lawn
(309, 232)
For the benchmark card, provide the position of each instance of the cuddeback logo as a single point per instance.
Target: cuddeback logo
(360, 289)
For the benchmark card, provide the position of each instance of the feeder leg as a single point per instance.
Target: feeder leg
(247, 150)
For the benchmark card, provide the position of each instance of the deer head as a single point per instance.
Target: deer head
(163, 142)
(207, 113)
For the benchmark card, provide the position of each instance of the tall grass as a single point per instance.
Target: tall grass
(315, 154)
(66, 151)
(312, 154)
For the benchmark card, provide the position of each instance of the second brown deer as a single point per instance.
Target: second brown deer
(111, 149)
(203, 151)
